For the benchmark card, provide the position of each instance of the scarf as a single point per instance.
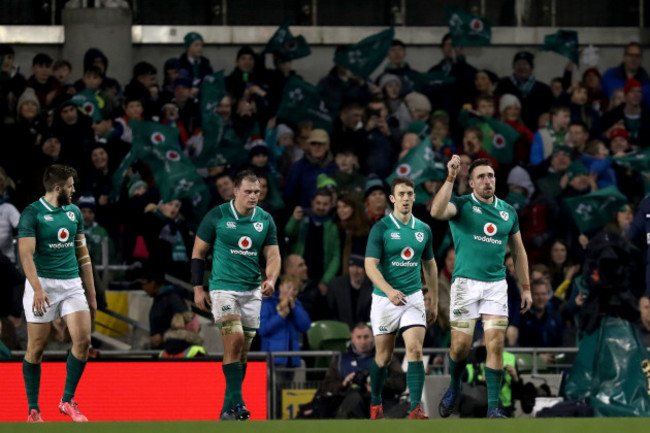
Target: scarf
(524, 87)
(559, 138)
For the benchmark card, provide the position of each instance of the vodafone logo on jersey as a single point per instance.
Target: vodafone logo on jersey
(245, 243)
(63, 235)
(490, 229)
(407, 253)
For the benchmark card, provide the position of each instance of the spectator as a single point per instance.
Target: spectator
(341, 86)
(96, 58)
(278, 78)
(454, 64)
(348, 129)
(520, 189)
(283, 148)
(96, 235)
(349, 295)
(9, 217)
(596, 159)
(314, 301)
(391, 87)
(314, 236)
(77, 137)
(553, 135)
(187, 113)
(397, 66)
(444, 288)
(616, 77)
(581, 110)
(510, 109)
(644, 323)
(536, 97)
(45, 86)
(353, 229)
(23, 134)
(376, 200)
(13, 83)
(416, 106)
(638, 232)
(62, 71)
(300, 184)
(345, 390)
(282, 320)
(381, 140)
(182, 339)
(559, 263)
(472, 139)
(225, 188)
(168, 239)
(167, 301)
(144, 88)
(441, 143)
(598, 100)
(192, 61)
(631, 115)
(171, 71)
(484, 88)
(541, 326)
(348, 180)
(578, 136)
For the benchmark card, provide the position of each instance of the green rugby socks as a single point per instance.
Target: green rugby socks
(415, 382)
(493, 379)
(233, 374)
(74, 370)
(32, 376)
(456, 369)
(377, 379)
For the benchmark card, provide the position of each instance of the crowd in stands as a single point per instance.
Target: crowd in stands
(325, 189)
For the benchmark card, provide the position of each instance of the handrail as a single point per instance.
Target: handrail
(126, 319)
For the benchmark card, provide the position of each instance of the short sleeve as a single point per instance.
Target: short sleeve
(27, 223)
(515, 223)
(14, 216)
(427, 254)
(458, 202)
(271, 234)
(207, 231)
(375, 246)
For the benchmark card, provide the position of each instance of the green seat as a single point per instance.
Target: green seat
(328, 335)
(524, 363)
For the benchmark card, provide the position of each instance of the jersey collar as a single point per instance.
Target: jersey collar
(411, 223)
(234, 211)
(48, 206)
(496, 200)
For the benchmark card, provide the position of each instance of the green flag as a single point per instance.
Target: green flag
(635, 161)
(365, 56)
(427, 82)
(217, 144)
(467, 30)
(303, 101)
(563, 42)
(594, 210)
(87, 100)
(290, 47)
(419, 164)
(175, 176)
(499, 138)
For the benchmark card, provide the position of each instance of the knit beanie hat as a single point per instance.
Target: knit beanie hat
(508, 100)
(191, 37)
(28, 96)
(135, 183)
(417, 101)
(387, 78)
(283, 130)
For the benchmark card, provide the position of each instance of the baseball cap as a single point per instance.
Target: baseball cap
(356, 260)
(319, 136)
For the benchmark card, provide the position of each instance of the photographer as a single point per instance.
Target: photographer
(345, 390)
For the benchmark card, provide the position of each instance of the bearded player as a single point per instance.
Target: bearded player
(399, 245)
(239, 231)
(59, 284)
(481, 226)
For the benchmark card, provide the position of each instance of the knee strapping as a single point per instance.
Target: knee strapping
(249, 334)
(495, 324)
(228, 327)
(464, 326)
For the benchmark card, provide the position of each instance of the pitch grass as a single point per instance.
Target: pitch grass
(555, 425)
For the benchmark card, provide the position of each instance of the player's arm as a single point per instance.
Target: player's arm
(441, 208)
(431, 278)
(86, 272)
(197, 267)
(26, 248)
(372, 271)
(273, 265)
(521, 269)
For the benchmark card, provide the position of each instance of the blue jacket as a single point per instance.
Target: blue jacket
(300, 184)
(282, 334)
(615, 78)
(603, 168)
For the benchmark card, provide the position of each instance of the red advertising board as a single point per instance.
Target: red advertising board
(134, 391)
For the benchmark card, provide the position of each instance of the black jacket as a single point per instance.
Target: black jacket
(537, 102)
(339, 299)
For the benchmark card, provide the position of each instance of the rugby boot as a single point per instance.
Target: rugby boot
(377, 412)
(448, 403)
(418, 413)
(72, 410)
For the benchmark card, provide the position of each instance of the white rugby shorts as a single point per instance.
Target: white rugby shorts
(471, 298)
(246, 304)
(66, 297)
(387, 318)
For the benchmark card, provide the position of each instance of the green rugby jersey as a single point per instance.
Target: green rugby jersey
(55, 229)
(238, 242)
(399, 248)
(481, 232)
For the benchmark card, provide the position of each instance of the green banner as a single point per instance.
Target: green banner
(365, 56)
(467, 30)
(594, 210)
